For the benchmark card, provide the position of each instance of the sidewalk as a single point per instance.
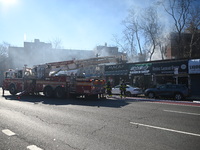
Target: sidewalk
(195, 98)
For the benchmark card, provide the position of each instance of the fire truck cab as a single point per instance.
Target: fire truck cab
(14, 80)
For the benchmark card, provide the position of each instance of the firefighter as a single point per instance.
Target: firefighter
(123, 89)
(2, 91)
(109, 88)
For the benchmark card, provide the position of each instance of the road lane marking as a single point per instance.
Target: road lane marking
(185, 104)
(33, 147)
(166, 129)
(8, 132)
(180, 112)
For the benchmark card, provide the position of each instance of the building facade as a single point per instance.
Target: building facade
(194, 75)
(181, 47)
(34, 53)
(151, 74)
(37, 52)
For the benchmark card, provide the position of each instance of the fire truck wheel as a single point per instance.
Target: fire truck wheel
(12, 89)
(59, 92)
(48, 91)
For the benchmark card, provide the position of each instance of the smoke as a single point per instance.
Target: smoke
(19, 56)
(102, 51)
(24, 37)
(37, 53)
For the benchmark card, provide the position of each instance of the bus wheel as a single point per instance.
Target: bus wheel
(12, 89)
(48, 91)
(59, 92)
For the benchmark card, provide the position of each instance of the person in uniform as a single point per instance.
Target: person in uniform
(109, 88)
(123, 89)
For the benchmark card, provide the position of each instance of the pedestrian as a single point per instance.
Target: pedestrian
(109, 88)
(123, 89)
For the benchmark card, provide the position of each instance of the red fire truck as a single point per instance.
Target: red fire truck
(44, 78)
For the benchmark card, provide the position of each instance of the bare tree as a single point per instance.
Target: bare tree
(56, 43)
(120, 43)
(193, 26)
(132, 23)
(152, 29)
(163, 43)
(3, 59)
(162, 49)
(3, 51)
(179, 11)
(142, 34)
(132, 35)
(129, 35)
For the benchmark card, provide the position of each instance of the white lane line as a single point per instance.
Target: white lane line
(8, 132)
(166, 129)
(33, 147)
(180, 112)
(177, 104)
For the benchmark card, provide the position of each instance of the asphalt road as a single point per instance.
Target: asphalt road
(35, 123)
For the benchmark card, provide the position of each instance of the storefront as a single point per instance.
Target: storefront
(150, 74)
(140, 75)
(194, 74)
(116, 73)
(174, 72)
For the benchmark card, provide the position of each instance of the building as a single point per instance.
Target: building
(4, 64)
(194, 75)
(106, 51)
(34, 53)
(37, 52)
(17, 57)
(179, 50)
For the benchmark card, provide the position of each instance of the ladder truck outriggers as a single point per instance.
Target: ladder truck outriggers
(57, 79)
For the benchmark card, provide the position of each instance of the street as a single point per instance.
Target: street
(39, 123)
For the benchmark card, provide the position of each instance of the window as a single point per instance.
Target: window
(162, 87)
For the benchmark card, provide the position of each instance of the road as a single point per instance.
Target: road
(38, 123)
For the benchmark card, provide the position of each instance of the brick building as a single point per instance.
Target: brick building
(182, 50)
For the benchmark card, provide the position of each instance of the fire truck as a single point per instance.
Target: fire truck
(57, 79)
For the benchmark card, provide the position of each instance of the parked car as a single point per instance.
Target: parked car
(130, 90)
(176, 91)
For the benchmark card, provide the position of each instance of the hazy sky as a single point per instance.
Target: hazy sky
(79, 24)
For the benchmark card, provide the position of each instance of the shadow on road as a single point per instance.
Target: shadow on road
(110, 102)
(114, 101)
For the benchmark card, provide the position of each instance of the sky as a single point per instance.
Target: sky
(79, 24)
